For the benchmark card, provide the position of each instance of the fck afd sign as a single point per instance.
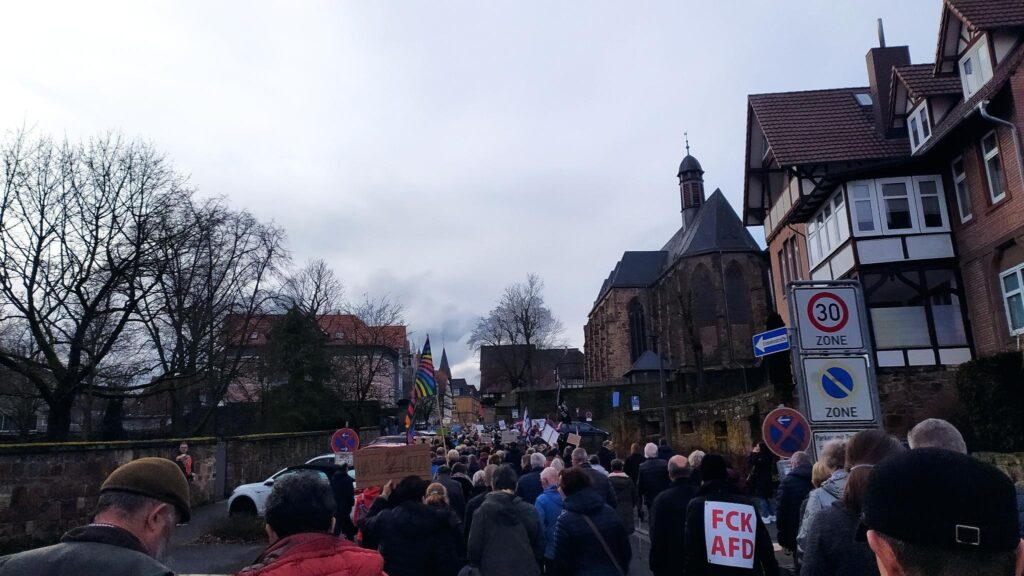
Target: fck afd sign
(729, 531)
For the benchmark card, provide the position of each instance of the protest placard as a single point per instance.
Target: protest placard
(375, 466)
(501, 424)
(509, 437)
(550, 436)
(729, 534)
(573, 439)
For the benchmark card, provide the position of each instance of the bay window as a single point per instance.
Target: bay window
(828, 229)
(1012, 282)
(891, 206)
(862, 198)
(963, 191)
(993, 168)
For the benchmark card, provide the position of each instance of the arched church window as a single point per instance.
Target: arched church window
(637, 329)
(737, 297)
(704, 301)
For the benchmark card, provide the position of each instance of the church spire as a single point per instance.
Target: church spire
(691, 185)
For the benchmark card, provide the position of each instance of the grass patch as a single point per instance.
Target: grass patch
(235, 530)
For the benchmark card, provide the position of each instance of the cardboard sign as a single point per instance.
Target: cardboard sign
(509, 437)
(573, 439)
(375, 466)
(550, 436)
(729, 531)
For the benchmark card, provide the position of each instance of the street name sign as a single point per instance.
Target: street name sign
(828, 319)
(838, 390)
(771, 342)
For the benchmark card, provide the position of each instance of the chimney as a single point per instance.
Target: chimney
(880, 63)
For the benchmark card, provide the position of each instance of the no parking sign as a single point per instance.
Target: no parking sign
(344, 440)
(786, 431)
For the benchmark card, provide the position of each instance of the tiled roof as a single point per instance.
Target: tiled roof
(636, 269)
(717, 228)
(497, 363)
(989, 14)
(822, 126)
(921, 81)
(966, 107)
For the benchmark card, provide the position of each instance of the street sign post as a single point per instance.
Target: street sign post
(786, 431)
(344, 440)
(833, 359)
(771, 342)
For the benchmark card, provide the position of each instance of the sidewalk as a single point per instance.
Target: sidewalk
(186, 557)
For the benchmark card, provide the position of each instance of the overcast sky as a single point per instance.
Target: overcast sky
(440, 150)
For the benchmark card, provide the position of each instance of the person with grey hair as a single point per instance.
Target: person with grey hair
(793, 489)
(300, 519)
(549, 506)
(668, 518)
(936, 433)
(652, 477)
(833, 456)
(599, 481)
(695, 459)
(529, 485)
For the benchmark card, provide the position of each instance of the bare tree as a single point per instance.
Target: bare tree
(214, 287)
(523, 323)
(80, 232)
(365, 367)
(314, 289)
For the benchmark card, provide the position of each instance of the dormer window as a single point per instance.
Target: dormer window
(975, 67)
(919, 126)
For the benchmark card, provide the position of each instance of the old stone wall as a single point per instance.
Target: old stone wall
(46, 489)
(910, 395)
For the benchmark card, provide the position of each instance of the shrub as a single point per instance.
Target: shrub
(992, 391)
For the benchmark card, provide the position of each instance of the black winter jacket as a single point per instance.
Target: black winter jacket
(578, 551)
(600, 484)
(632, 468)
(832, 549)
(652, 479)
(793, 490)
(529, 486)
(668, 525)
(456, 498)
(506, 538)
(414, 539)
(695, 556)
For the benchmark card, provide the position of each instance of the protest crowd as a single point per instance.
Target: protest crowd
(871, 505)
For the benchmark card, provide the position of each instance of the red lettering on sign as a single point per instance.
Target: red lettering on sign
(716, 518)
(746, 523)
(729, 519)
(734, 545)
(748, 548)
(718, 546)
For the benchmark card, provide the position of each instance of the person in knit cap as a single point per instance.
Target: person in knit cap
(140, 504)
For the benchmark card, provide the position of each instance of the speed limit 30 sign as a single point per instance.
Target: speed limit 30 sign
(828, 318)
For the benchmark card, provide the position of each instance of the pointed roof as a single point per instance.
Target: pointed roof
(716, 229)
(648, 362)
(443, 367)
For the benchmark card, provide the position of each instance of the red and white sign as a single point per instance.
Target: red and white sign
(730, 534)
(827, 319)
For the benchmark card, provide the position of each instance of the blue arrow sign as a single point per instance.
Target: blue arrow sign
(771, 342)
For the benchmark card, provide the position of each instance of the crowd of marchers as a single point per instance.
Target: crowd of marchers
(870, 505)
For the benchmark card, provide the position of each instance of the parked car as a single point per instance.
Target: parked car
(398, 440)
(251, 499)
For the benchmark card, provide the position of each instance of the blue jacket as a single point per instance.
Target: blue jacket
(549, 506)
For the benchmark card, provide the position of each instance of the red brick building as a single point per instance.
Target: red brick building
(912, 184)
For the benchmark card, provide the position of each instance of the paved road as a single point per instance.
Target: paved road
(186, 557)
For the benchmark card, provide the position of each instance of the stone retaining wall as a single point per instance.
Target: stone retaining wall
(46, 489)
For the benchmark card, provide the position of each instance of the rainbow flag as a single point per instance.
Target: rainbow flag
(425, 384)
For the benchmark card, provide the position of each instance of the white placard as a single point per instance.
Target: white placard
(501, 424)
(838, 390)
(828, 319)
(550, 436)
(479, 428)
(730, 534)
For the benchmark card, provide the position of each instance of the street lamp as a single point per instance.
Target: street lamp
(666, 427)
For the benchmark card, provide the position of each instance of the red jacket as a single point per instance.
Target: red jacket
(316, 554)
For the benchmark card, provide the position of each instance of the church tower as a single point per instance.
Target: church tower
(691, 187)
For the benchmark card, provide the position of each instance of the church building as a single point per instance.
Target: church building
(690, 307)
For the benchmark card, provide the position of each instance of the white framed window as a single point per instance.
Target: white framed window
(931, 205)
(865, 208)
(975, 67)
(827, 229)
(919, 126)
(993, 167)
(963, 190)
(1012, 281)
(898, 215)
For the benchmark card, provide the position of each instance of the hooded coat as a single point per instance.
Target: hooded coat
(831, 547)
(414, 539)
(578, 550)
(506, 538)
(315, 553)
(626, 499)
(820, 498)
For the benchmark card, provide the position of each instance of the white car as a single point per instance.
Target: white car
(251, 499)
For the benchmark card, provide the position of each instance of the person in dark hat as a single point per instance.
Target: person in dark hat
(139, 506)
(975, 532)
(716, 488)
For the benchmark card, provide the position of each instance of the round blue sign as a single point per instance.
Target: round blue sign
(837, 383)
